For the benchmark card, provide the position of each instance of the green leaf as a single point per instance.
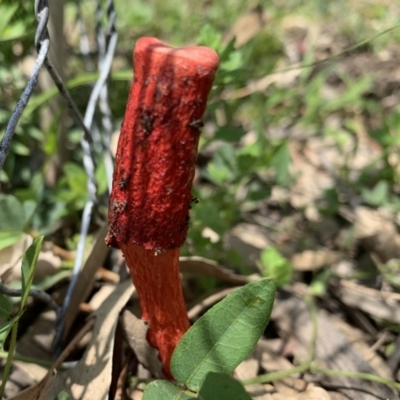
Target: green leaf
(8, 238)
(163, 390)
(229, 134)
(219, 173)
(258, 191)
(4, 177)
(210, 37)
(76, 178)
(5, 330)
(101, 178)
(281, 161)
(20, 149)
(81, 80)
(11, 214)
(62, 396)
(49, 281)
(218, 386)
(221, 168)
(28, 268)
(225, 335)
(378, 195)
(5, 306)
(275, 266)
(6, 12)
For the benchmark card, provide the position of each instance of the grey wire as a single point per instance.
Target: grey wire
(89, 167)
(98, 95)
(104, 105)
(86, 139)
(43, 49)
(35, 293)
(42, 43)
(83, 39)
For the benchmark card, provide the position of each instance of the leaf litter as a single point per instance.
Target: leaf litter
(355, 311)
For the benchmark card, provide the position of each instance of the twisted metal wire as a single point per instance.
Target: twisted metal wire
(106, 56)
(99, 95)
(42, 44)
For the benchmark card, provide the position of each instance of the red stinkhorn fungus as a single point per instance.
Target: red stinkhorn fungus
(154, 170)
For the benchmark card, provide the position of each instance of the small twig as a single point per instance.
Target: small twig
(35, 293)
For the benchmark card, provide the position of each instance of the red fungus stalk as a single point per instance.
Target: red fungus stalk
(154, 170)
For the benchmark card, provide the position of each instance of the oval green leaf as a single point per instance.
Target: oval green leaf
(5, 306)
(163, 390)
(5, 330)
(9, 238)
(11, 214)
(225, 335)
(28, 268)
(219, 386)
(62, 396)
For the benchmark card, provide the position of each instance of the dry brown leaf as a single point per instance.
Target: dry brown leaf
(311, 181)
(281, 79)
(136, 334)
(114, 143)
(36, 343)
(382, 305)
(86, 279)
(249, 240)
(333, 349)
(135, 394)
(38, 391)
(247, 26)
(210, 300)
(48, 264)
(377, 233)
(312, 260)
(359, 340)
(91, 377)
(297, 389)
(249, 369)
(100, 296)
(204, 267)
(10, 259)
(311, 393)
(270, 358)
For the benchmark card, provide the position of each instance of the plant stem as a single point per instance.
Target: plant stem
(7, 367)
(276, 376)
